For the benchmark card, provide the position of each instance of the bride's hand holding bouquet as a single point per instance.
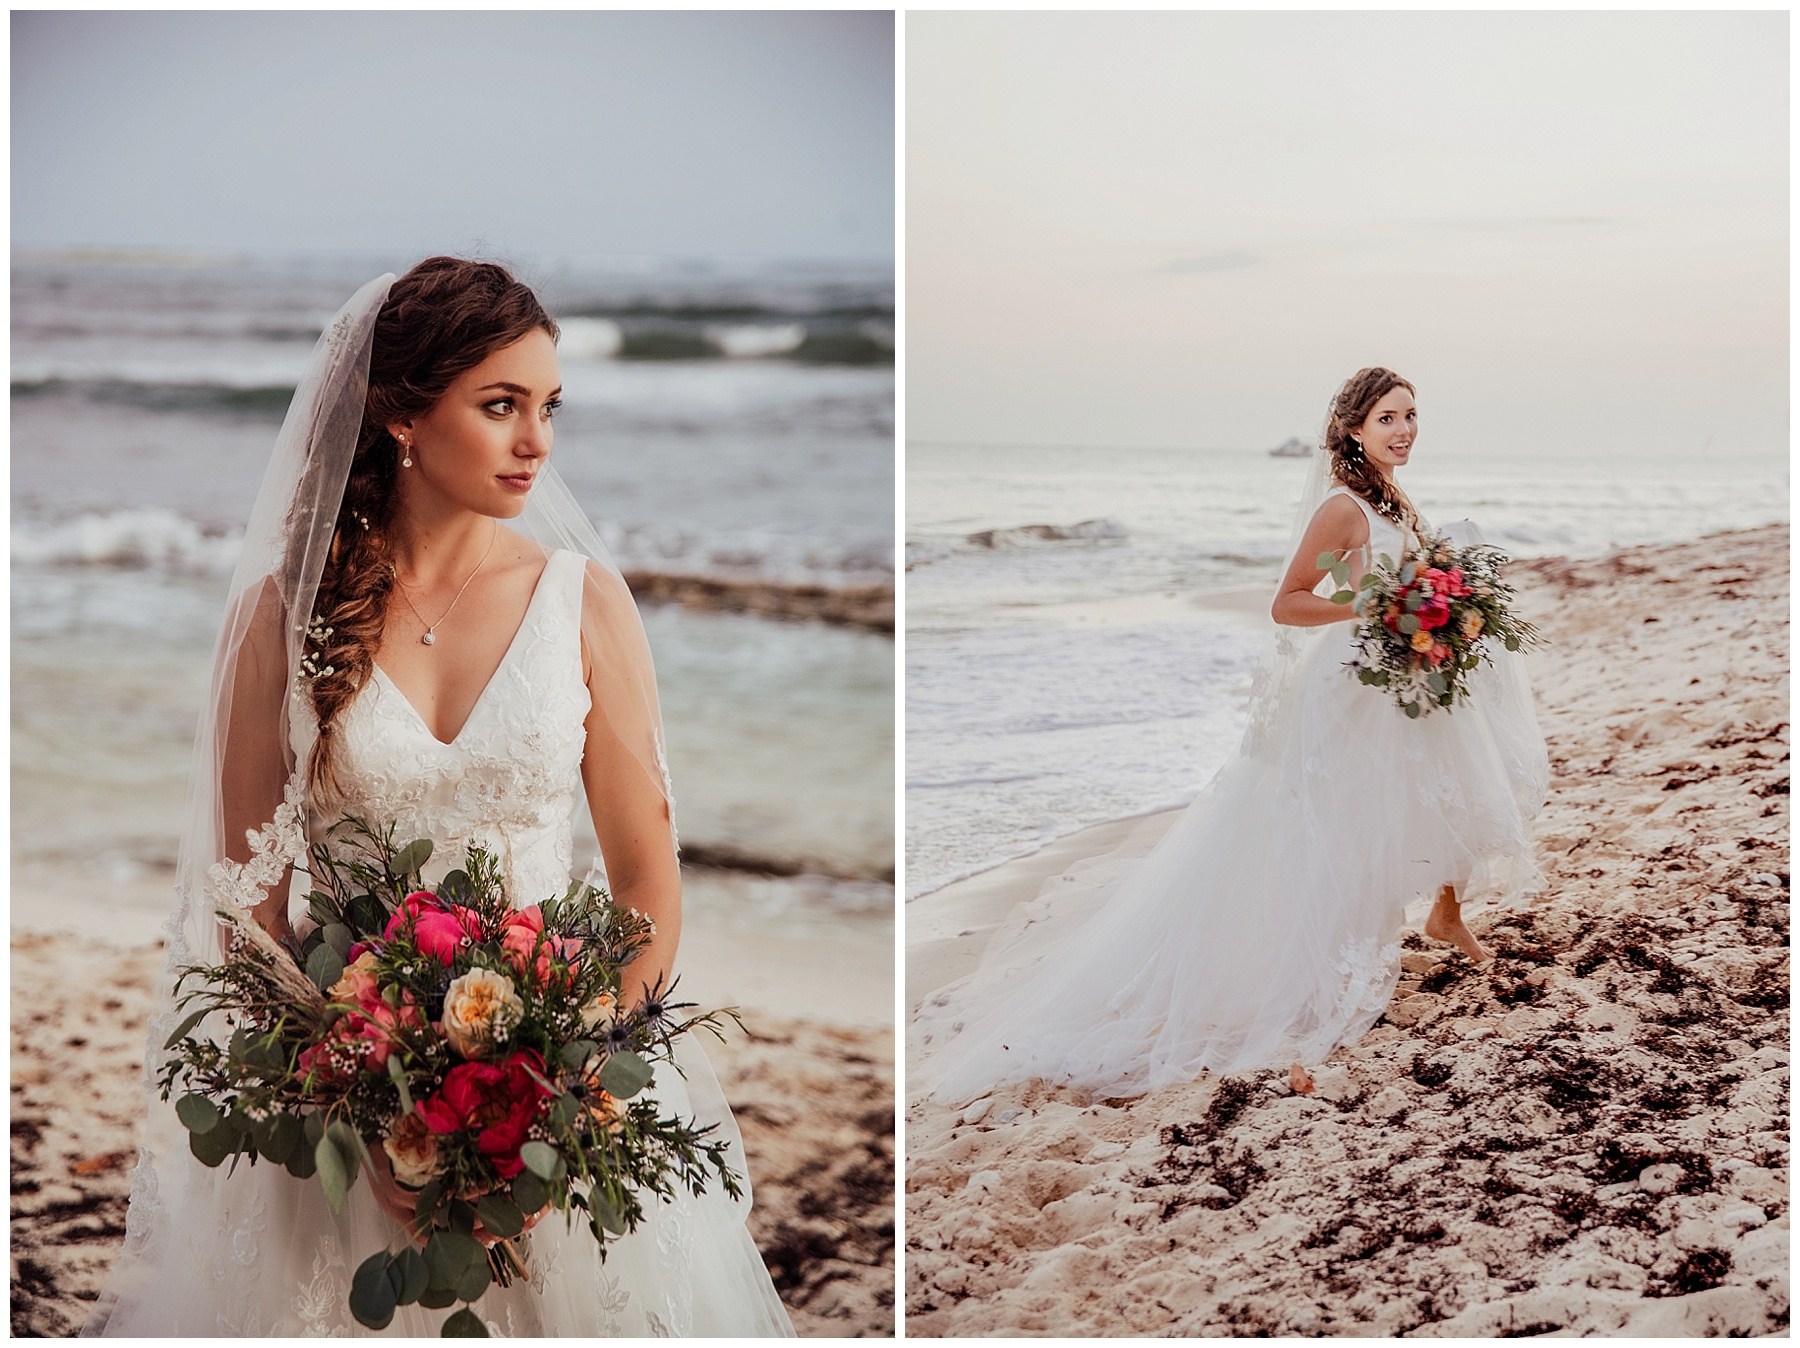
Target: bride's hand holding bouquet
(477, 1059)
(1424, 622)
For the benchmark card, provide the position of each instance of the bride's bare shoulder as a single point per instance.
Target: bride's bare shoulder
(1339, 514)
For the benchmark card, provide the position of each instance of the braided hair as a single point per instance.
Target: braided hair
(440, 320)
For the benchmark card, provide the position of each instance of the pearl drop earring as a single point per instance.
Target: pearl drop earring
(406, 450)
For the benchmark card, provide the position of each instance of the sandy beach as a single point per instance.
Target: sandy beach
(813, 1096)
(1587, 1136)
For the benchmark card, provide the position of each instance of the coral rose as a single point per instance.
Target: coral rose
(519, 938)
(357, 983)
(413, 1149)
(496, 1102)
(479, 1008)
(1421, 641)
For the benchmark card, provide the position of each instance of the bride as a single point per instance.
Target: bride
(392, 650)
(1263, 929)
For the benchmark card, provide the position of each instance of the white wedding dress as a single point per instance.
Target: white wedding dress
(260, 1252)
(1263, 929)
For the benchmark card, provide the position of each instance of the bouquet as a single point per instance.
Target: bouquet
(1424, 622)
(484, 1050)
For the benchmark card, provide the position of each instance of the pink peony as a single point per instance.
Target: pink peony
(439, 929)
(1435, 613)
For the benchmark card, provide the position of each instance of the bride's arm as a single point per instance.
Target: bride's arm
(621, 771)
(1340, 527)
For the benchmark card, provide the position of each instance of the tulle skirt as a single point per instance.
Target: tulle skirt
(261, 1253)
(1263, 928)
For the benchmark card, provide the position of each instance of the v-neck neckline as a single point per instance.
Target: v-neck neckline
(537, 591)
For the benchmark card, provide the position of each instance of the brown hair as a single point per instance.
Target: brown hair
(1349, 409)
(441, 319)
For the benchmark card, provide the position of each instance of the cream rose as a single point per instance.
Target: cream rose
(413, 1150)
(479, 1007)
(1471, 626)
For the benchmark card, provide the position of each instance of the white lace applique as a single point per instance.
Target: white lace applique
(658, 1330)
(243, 1239)
(612, 1299)
(675, 1241)
(668, 786)
(319, 1300)
(1365, 967)
(273, 848)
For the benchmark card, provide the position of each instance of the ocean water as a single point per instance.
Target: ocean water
(717, 421)
(1056, 678)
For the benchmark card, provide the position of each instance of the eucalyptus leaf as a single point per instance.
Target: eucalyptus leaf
(349, 1142)
(500, 1215)
(1343, 596)
(426, 1203)
(475, 1280)
(303, 1163)
(448, 1254)
(188, 1022)
(314, 1128)
(462, 1216)
(1412, 711)
(372, 1298)
(325, 967)
(413, 1277)
(576, 1052)
(264, 1134)
(529, 1192)
(365, 914)
(197, 1113)
(1512, 643)
(465, 1324)
(1408, 574)
(541, 1159)
(436, 1298)
(1325, 559)
(623, 1076)
(1409, 623)
(409, 860)
(564, 1110)
(456, 887)
(339, 937)
(213, 1146)
(608, 1213)
(334, 1171)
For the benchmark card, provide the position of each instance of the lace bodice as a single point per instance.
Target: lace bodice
(507, 780)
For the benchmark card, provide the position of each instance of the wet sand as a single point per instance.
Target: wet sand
(1587, 1136)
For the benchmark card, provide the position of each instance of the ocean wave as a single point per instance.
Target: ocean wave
(771, 577)
(151, 537)
(1031, 535)
(262, 402)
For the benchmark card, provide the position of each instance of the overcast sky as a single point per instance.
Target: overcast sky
(724, 133)
(1189, 228)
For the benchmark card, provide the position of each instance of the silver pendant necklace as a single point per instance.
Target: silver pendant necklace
(430, 637)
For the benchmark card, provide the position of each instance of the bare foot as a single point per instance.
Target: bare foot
(1445, 924)
(1300, 1080)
